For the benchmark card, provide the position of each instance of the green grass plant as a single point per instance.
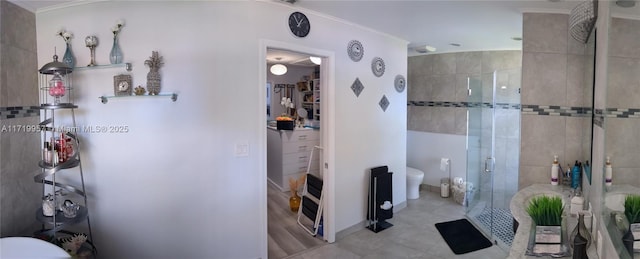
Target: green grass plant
(632, 208)
(546, 211)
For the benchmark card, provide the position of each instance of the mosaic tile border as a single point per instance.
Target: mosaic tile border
(18, 112)
(551, 110)
(464, 104)
(598, 118)
(622, 113)
(555, 110)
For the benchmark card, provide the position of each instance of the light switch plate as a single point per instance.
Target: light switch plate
(242, 149)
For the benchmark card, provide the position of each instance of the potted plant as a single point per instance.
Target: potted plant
(546, 212)
(632, 208)
(294, 186)
(632, 212)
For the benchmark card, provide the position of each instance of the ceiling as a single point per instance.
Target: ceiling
(288, 57)
(471, 24)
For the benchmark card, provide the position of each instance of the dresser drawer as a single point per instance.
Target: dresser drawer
(301, 157)
(298, 168)
(300, 135)
(298, 147)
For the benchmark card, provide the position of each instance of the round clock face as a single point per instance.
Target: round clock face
(377, 66)
(400, 83)
(299, 24)
(355, 50)
(123, 86)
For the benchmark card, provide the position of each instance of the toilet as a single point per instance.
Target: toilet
(414, 179)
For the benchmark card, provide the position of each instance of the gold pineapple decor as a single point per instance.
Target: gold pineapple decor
(153, 77)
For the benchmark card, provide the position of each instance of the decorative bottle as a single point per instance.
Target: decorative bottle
(608, 173)
(575, 175)
(554, 171)
(115, 57)
(68, 57)
(46, 153)
(580, 229)
(294, 202)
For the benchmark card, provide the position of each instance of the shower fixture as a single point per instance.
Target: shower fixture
(582, 19)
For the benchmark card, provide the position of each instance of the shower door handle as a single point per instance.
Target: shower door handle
(488, 165)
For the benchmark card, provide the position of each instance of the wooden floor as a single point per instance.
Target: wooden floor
(286, 237)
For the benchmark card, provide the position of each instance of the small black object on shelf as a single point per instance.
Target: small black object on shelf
(285, 125)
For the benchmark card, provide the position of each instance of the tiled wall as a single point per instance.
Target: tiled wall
(555, 102)
(20, 196)
(437, 87)
(622, 120)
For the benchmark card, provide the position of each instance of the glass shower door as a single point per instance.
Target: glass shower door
(493, 150)
(481, 152)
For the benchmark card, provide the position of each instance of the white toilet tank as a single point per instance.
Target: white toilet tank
(414, 179)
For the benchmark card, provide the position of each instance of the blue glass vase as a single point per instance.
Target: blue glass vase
(68, 57)
(115, 57)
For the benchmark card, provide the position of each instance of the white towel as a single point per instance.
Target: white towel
(457, 181)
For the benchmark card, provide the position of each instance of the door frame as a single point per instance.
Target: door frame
(327, 110)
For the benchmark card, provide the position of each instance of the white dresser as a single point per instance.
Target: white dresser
(288, 153)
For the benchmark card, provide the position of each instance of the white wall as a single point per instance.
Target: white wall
(171, 187)
(425, 149)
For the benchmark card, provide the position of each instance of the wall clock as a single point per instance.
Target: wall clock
(122, 85)
(299, 24)
(355, 50)
(400, 83)
(377, 66)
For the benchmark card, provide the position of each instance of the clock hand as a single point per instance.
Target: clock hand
(296, 18)
(300, 21)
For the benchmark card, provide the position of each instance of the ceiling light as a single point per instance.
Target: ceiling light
(316, 60)
(278, 69)
(503, 87)
(516, 38)
(455, 44)
(424, 49)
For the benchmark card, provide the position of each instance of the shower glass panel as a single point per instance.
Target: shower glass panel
(493, 147)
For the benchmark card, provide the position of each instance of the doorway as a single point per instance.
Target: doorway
(493, 137)
(327, 135)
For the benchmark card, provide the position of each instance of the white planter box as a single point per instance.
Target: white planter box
(548, 234)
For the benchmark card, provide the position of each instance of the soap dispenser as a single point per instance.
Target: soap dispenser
(554, 171)
(608, 173)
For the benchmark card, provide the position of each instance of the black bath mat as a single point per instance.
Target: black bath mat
(462, 237)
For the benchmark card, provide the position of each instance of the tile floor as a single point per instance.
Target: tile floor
(413, 235)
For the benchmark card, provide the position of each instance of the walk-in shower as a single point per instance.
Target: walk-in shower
(493, 151)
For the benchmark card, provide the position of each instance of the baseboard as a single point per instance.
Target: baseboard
(363, 224)
(275, 185)
(430, 188)
(399, 207)
(350, 230)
